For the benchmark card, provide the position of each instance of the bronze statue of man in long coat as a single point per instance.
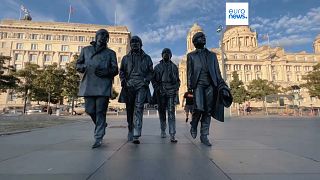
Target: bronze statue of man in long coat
(210, 92)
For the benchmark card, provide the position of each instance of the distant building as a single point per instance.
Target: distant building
(252, 61)
(45, 43)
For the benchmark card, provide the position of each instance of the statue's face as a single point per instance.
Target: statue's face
(135, 45)
(102, 38)
(166, 55)
(200, 41)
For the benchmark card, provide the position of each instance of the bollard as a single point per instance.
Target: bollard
(148, 112)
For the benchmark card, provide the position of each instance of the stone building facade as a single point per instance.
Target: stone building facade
(251, 61)
(45, 43)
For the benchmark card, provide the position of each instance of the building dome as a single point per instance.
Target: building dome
(193, 30)
(316, 44)
(239, 38)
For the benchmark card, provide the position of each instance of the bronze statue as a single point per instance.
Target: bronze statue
(210, 91)
(166, 84)
(99, 65)
(136, 72)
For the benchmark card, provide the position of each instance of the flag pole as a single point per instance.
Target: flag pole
(69, 13)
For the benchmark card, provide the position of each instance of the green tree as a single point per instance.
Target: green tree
(27, 78)
(51, 80)
(238, 90)
(7, 79)
(313, 81)
(71, 82)
(259, 88)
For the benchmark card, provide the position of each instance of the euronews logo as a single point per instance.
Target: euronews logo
(237, 13)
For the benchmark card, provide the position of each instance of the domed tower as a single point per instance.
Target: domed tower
(239, 38)
(194, 29)
(316, 45)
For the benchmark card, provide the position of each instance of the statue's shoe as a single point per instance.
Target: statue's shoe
(96, 144)
(204, 140)
(163, 134)
(173, 139)
(193, 132)
(136, 141)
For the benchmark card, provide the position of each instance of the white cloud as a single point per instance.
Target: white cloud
(168, 34)
(124, 9)
(289, 24)
(289, 41)
(169, 8)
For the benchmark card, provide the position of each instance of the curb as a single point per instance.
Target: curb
(14, 132)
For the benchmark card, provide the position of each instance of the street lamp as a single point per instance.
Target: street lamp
(221, 30)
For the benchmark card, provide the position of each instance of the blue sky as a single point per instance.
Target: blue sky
(292, 24)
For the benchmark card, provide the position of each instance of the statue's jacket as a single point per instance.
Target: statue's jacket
(89, 60)
(126, 69)
(172, 88)
(193, 72)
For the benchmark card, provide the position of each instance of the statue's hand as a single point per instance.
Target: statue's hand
(81, 69)
(123, 83)
(225, 93)
(101, 72)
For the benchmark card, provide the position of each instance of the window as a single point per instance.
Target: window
(48, 47)
(64, 58)
(80, 48)
(3, 44)
(47, 57)
(4, 35)
(288, 68)
(48, 37)
(64, 48)
(32, 57)
(273, 68)
(228, 67)
(34, 36)
(247, 67)
(64, 38)
(274, 77)
(245, 57)
(307, 68)
(288, 77)
(81, 38)
(18, 57)
(91, 38)
(258, 76)
(19, 46)
(297, 68)
(257, 67)
(237, 67)
(119, 50)
(248, 77)
(18, 35)
(120, 40)
(298, 78)
(34, 46)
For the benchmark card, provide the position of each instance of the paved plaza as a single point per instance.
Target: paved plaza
(246, 148)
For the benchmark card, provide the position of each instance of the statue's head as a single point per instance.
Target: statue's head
(199, 40)
(102, 37)
(135, 43)
(166, 54)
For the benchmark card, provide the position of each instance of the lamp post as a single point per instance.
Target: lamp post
(221, 30)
